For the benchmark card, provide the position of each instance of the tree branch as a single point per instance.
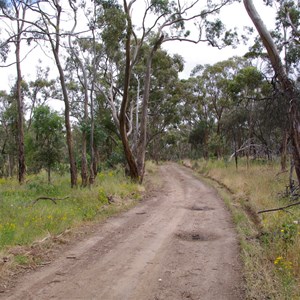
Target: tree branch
(13, 63)
(48, 198)
(279, 208)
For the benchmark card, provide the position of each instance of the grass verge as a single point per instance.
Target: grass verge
(29, 226)
(269, 242)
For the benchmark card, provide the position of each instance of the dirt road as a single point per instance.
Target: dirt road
(178, 244)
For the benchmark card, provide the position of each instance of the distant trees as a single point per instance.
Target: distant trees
(122, 97)
(222, 108)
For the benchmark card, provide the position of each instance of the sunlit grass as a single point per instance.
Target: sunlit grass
(256, 186)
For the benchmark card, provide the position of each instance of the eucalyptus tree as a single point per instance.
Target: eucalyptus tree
(196, 117)
(162, 21)
(108, 62)
(291, 94)
(215, 80)
(97, 59)
(90, 58)
(163, 110)
(250, 92)
(222, 106)
(212, 100)
(15, 13)
(83, 79)
(48, 27)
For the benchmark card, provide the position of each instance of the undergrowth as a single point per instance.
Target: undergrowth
(24, 220)
(269, 242)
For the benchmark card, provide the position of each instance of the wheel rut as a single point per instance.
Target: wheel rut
(178, 244)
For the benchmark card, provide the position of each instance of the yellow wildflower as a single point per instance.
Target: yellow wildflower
(278, 260)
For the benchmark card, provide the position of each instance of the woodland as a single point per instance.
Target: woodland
(123, 99)
(124, 104)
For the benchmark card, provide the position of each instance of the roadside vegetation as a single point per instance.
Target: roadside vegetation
(124, 102)
(37, 211)
(269, 241)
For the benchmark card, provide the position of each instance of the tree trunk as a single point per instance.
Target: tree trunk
(295, 136)
(10, 166)
(283, 151)
(49, 174)
(136, 128)
(291, 181)
(141, 147)
(55, 49)
(84, 163)
(20, 105)
(286, 84)
(205, 144)
(133, 170)
(73, 170)
(93, 163)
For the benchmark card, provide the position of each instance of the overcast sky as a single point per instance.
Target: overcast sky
(233, 16)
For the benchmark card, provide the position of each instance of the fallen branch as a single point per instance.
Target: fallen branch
(279, 208)
(242, 149)
(48, 198)
(281, 172)
(48, 236)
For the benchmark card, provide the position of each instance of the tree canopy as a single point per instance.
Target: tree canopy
(123, 98)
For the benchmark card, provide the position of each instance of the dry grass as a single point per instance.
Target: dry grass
(269, 242)
(153, 181)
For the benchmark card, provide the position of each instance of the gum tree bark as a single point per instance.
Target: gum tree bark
(125, 101)
(84, 162)
(20, 15)
(54, 41)
(286, 84)
(93, 164)
(142, 142)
